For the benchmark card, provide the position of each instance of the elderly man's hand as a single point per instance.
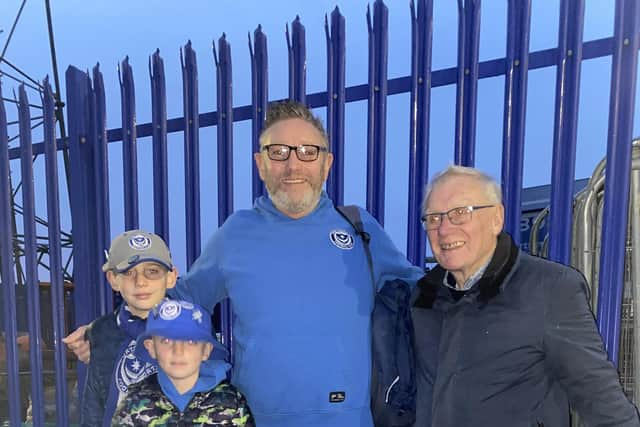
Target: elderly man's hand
(76, 342)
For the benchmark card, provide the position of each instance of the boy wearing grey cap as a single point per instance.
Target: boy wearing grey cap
(139, 267)
(189, 387)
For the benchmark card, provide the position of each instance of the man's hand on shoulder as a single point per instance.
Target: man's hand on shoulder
(77, 343)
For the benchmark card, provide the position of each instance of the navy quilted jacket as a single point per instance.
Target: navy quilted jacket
(518, 347)
(393, 400)
(105, 338)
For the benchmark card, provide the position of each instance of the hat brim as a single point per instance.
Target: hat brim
(124, 265)
(221, 352)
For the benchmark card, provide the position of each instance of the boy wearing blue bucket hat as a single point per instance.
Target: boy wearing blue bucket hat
(189, 387)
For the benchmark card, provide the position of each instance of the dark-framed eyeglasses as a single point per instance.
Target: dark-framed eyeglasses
(457, 216)
(304, 152)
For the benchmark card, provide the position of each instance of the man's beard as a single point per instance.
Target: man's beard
(283, 202)
(308, 202)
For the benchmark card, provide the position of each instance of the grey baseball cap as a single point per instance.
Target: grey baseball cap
(135, 246)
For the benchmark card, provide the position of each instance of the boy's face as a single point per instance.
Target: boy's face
(143, 286)
(180, 360)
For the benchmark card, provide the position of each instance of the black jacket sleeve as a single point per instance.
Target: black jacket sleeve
(576, 356)
(93, 395)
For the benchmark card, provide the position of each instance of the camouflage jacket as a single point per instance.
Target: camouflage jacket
(146, 405)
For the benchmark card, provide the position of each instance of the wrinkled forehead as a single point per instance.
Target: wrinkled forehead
(456, 190)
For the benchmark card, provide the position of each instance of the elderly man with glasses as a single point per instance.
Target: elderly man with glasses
(518, 341)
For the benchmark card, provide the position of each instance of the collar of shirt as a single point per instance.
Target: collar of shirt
(450, 282)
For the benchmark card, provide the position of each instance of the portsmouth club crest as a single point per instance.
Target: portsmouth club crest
(170, 310)
(341, 239)
(139, 242)
(130, 370)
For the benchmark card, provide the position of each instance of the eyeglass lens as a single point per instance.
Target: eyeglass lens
(150, 272)
(281, 152)
(457, 216)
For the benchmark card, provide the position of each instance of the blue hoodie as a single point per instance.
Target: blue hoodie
(302, 298)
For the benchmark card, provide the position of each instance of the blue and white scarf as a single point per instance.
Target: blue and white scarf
(132, 364)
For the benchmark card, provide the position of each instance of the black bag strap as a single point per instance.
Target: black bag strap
(352, 214)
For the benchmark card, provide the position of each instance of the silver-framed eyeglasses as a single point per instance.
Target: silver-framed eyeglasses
(457, 216)
(304, 152)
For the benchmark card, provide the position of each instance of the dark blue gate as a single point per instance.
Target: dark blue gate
(88, 141)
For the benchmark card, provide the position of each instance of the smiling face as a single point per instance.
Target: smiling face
(463, 249)
(143, 286)
(294, 186)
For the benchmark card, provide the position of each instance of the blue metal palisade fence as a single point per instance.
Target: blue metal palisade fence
(88, 140)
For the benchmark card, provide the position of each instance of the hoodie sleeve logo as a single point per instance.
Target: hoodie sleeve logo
(341, 239)
(337, 396)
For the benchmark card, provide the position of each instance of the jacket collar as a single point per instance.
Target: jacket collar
(490, 285)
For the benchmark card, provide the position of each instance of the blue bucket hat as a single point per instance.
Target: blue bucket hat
(182, 321)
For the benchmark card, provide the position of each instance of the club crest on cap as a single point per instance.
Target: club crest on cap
(341, 239)
(169, 310)
(139, 242)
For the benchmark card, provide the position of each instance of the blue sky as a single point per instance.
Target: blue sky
(106, 31)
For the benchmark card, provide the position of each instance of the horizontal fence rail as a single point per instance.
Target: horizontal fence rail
(444, 77)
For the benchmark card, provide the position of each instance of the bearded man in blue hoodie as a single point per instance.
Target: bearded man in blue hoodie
(299, 283)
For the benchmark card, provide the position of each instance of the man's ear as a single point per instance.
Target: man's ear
(172, 277)
(259, 159)
(148, 344)
(111, 278)
(206, 351)
(498, 219)
(328, 161)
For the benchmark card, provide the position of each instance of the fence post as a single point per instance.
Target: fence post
(616, 194)
(515, 107)
(467, 87)
(8, 282)
(565, 129)
(420, 107)
(55, 255)
(82, 187)
(335, 102)
(225, 161)
(191, 151)
(160, 160)
(297, 61)
(129, 147)
(98, 140)
(225, 129)
(259, 100)
(30, 257)
(377, 104)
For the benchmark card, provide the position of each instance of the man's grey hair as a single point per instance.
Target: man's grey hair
(290, 109)
(492, 188)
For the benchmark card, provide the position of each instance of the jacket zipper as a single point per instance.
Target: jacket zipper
(386, 395)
